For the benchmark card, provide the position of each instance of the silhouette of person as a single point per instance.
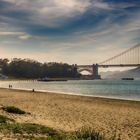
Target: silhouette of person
(10, 86)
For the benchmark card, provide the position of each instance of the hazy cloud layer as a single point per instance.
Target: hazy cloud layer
(73, 31)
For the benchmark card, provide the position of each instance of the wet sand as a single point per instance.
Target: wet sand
(68, 113)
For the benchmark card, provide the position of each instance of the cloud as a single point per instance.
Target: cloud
(59, 16)
(41, 11)
(20, 35)
(10, 1)
(11, 33)
(76, 31)
(25, 37)
(102, 5)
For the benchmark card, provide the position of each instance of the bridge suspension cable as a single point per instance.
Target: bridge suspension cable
(130, 56)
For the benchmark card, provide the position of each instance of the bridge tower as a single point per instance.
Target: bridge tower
(95, 73)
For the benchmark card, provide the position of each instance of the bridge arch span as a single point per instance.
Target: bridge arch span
(85, 69)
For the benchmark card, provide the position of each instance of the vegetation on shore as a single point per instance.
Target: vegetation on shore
(4, 119)
(26, 68)
(13, 130)
(40, 132)
(12, 109)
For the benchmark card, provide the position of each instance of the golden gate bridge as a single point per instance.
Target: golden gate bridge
(128, 58)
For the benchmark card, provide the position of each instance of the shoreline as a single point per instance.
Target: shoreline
(70, 112)
(71, 94)
(122, 95)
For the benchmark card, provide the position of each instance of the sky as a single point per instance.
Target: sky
(71, 31)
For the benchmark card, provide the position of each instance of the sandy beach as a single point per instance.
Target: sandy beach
(68, 113)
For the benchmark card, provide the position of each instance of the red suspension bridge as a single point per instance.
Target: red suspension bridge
(128, 58)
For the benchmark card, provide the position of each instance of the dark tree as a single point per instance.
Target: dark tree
(27, 68)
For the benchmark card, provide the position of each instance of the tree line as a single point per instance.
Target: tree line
(27, 68)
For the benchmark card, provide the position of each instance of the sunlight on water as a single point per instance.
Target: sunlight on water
(118, 89)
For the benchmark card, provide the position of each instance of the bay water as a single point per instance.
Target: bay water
(117, 89)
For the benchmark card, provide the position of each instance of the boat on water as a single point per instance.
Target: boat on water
(46, 79)
(127, 78)
(42, 80)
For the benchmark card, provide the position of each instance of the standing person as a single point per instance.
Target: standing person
(10, 86)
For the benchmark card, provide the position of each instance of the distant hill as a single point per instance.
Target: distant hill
(133, 73)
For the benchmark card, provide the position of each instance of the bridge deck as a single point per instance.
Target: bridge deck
(119, 65)
(110, 65)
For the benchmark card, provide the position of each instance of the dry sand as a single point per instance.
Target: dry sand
(70, 113)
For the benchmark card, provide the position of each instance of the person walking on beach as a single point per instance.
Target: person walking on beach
(10, 86)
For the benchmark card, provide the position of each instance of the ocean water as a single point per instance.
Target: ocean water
(118, 89)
